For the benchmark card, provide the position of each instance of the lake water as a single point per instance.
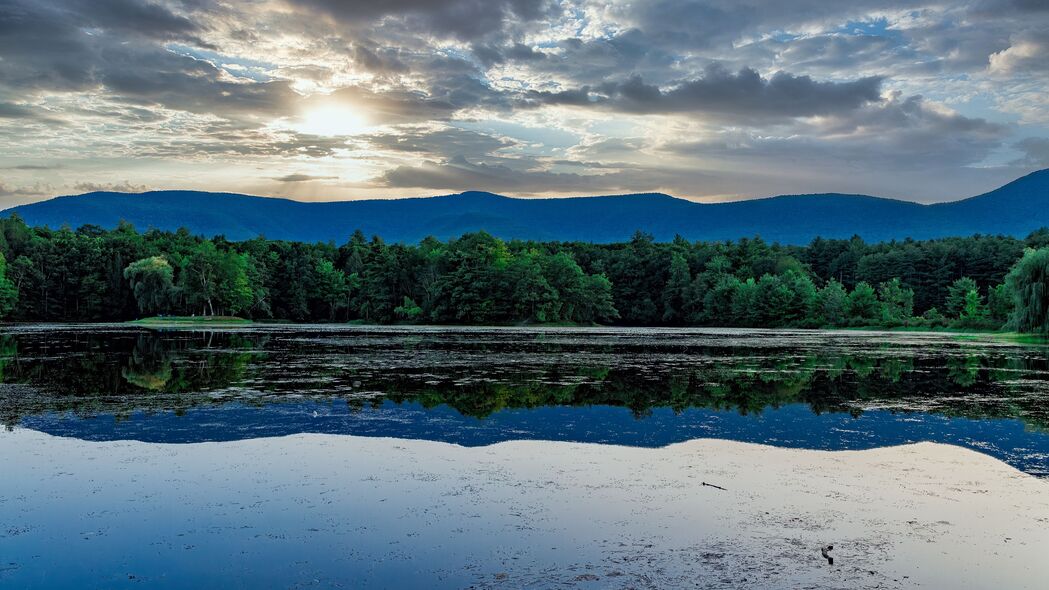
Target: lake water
(316, 456)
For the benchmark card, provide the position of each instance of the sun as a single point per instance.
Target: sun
(331, 120)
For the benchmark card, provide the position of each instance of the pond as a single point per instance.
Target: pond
(335, 456)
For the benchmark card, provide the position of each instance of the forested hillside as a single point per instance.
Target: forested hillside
(92, 274)
(1015, 209)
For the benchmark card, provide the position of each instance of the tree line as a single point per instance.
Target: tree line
(93, 274)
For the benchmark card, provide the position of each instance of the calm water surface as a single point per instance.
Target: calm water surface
(471, 387)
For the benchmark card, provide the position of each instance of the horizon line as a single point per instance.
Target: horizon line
(531, 198)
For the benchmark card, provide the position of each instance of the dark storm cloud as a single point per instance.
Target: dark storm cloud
(490, 53)
(709, 23)
(459, 173)
(661, 37)
(35, 167)
(57, 44)
(16, 111)
(378, 61)
(996, 7)
(71, 45)
(453, 157)
(845, 52)
(912, 114)
(1036, 152)
(131, 17)
(183, 83)
(743, 94)
(594, 60)
(421, 140)
(900, 133)
(462, 19)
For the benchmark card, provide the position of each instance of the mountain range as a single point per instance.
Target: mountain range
(1014, 209)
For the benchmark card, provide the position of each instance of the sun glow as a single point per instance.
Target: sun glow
(332, 120)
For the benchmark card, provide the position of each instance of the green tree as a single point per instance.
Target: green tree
(234, 286)
(676, 292)
(152, 283)
(1029, 282)
(864, 308)
(474, 289)
(8, 290)
(534, 299)
(718, 301)
(974, 313)
(773, 301)
(747, 308)
(999, 304)
(934, 318)
(570, 297)
(408, 311)
(331, 287)
(200, 277)
(801, 307)
(833, 304)
(956, 294)
(216, 282)
(897, 302)
(599, 305)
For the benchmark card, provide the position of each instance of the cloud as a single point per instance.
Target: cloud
(118, 187)
(461, 19)
(526, 96)
(458, 174)
(35, 167)
(1036, 152)
(1028, 53)
(302, 178)
(119, 46)
(221, 139)
(490, 53)
(744, 94)
(10, 110)
(438, 141)
(382, 61)
(21, 191)
(14, 111)
(900, 133)
(706, 24)
(12, 196)
(60, 44)
(391, 106)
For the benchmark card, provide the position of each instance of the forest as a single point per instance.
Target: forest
(92, 274)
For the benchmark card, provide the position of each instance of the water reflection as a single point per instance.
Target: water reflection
(808, 389)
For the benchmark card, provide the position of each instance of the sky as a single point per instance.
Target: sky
(710, 100)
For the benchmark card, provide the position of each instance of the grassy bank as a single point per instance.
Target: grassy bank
(963, 333)
(190, 321)
(959, 333)
(1017, 337)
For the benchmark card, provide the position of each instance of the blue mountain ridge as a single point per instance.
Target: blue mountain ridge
(1014, 209)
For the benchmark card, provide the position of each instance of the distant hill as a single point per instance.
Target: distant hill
(1014, 209)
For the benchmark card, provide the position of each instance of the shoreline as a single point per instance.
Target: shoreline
(233, 320)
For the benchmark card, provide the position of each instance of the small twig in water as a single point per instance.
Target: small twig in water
(826, 553)
(710, 485)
